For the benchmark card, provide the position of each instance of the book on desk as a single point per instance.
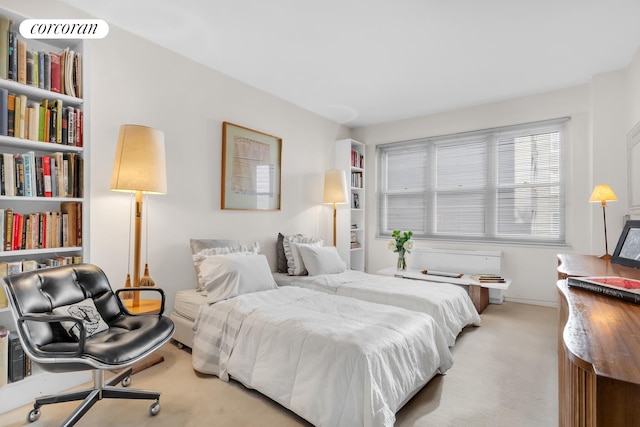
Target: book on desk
(611, 286)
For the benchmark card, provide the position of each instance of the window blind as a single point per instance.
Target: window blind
(502, 184)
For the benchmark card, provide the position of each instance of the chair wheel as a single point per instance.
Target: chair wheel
(33, 416)
(154, 409)
(126, 381)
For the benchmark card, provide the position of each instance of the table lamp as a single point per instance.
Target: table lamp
(603, 193)
(335, 192)
(139, 167)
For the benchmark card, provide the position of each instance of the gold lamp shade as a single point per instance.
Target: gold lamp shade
(335, 187)
(603, 193)
(140, 160)
(335, 192)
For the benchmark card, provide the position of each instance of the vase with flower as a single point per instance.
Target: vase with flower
(402, 244)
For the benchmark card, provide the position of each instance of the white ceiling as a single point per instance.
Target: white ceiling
(362, 62)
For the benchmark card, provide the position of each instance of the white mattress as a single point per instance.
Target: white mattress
(450, 305)
(188, 302)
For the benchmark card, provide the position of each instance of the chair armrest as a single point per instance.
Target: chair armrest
(141, 289)
(52, 318)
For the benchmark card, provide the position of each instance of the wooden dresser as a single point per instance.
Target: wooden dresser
(598, 349)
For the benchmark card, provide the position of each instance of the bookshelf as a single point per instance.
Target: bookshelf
(350, 156)
(48, 196)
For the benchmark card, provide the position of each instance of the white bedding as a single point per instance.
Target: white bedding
(334, 361)
(448, 304)
(188, 301)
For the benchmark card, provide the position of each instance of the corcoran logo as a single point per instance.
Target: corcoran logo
(64, 28)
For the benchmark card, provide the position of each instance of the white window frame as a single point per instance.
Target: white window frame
(426, 226)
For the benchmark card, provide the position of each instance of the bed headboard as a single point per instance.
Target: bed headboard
(457, 261)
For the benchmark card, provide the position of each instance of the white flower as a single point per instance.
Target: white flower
(408, 245)
(392, 245)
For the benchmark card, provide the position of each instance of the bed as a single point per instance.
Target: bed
(311, 265)
(334, 361)
(448, 304)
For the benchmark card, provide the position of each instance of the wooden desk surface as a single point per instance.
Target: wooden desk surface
(602, 334)
(589, 265)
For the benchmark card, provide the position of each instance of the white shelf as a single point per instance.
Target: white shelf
(27, 144)
(39, 383)
(355, 257)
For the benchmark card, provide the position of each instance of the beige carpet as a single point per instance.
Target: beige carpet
(504, 374)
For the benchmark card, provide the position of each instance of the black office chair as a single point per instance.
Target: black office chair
(81, 339)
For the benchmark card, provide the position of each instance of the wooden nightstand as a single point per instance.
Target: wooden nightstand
(147, 306)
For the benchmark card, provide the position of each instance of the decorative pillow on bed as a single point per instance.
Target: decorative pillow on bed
(227, 276)
(86, 311)
(321, 260)
(295, 265)
(281, 259)
(205, 247)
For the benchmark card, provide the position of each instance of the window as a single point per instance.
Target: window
(502, 184)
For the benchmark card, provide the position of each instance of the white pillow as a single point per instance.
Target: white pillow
(295, 265)
(222, 250)
(321, 260)
(85, 310)
(227, 276)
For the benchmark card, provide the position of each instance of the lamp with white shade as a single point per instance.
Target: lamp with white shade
(335, 192)
(139, 167)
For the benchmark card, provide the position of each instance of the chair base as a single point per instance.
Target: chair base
(99, 391)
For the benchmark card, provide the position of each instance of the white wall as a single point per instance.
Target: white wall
(134, 81)
(595, 152)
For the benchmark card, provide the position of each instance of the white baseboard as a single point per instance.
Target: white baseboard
(553, 304)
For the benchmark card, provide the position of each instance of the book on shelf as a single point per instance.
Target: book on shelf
(4, 355)
(611, 286)
(4, 111)
(355, 245)
(5, 25)
(22, 61)
(16, 358)
(11, 114)
(3, 296)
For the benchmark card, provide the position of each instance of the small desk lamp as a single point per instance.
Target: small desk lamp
(335, 192)
(139, 167)
(603, 193)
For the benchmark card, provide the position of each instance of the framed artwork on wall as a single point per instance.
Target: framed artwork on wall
(628, 248)
(251, 163)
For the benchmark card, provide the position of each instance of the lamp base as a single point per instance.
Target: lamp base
(605, 256)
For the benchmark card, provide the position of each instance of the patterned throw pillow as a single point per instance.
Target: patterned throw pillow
(86, 311)
(295, 265)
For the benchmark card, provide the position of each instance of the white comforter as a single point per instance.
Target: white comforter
(449, 304)
(334, 361)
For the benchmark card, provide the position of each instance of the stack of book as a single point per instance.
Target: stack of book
(489, 278)
(611, 286)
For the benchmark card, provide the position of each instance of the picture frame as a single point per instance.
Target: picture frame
(251, 169)
(628, 248)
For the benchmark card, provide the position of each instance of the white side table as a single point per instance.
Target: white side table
(479, 292)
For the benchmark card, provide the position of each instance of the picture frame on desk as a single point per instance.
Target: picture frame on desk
(251, 164)
(627, 250)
